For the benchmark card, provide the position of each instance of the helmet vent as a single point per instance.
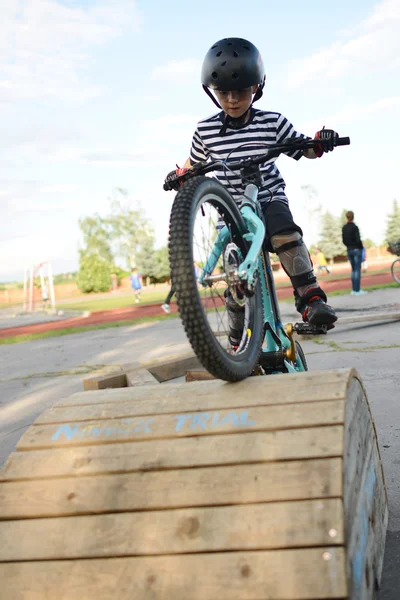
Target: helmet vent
(216, 46)
(235, 76)
(223, 63)
(219, 53)
(229, 43)
(235, 54)
(247, 48)
(214, 75)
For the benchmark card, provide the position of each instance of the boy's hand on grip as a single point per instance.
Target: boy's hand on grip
(169, 180)
(326, 141)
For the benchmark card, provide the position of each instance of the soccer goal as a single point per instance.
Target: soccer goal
(39, 287)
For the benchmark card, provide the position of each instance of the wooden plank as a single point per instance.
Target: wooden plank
(163, 403)
(215, 486)
(76, 433)
(366, 538)
(358, 433)
(166, 405)
(139, 377)
(249, 527)
(314, 573)
(299, 387)
(287, 444)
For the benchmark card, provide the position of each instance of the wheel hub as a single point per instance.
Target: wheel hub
(232, 259)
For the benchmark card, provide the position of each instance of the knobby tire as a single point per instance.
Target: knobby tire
(187, 203)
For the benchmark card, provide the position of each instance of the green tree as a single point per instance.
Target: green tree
(343, 218)
(96, 237)
(129, 230)
(368, 243)
(121, 236)
(393, 225)
(330, 241)
(146, 258)
(162, 270)
(94, 273)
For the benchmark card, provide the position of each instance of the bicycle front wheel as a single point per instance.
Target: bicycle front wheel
(203, 212)
(396, 270)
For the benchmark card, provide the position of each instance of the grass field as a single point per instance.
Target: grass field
(114, 301)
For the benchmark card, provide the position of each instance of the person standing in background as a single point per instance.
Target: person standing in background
(135, 278)
(364, 264)
(352, 241)
(321, 261)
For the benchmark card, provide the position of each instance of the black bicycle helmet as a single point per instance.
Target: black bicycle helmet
(232, 64)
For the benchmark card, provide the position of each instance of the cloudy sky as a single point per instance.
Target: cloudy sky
(100, 94)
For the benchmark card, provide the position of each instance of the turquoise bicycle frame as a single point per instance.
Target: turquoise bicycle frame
(276, 339)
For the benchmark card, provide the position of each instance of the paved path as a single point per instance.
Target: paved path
(34, 375)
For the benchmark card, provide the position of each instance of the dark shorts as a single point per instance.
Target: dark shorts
(278, 219)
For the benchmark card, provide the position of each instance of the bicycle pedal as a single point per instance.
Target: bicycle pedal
(308, 329)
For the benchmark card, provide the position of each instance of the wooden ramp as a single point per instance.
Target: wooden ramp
(271, 488)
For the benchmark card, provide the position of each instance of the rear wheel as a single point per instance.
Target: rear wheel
(396, 270)
(200, 210)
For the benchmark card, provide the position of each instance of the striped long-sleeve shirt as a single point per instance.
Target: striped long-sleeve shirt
(262, 129)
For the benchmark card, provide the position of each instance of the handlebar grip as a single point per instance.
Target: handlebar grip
(342, 141)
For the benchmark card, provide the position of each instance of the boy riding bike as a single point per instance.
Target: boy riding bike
(234, 70)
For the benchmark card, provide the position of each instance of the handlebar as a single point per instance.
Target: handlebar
(202, 168)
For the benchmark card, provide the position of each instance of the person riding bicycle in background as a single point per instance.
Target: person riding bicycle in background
(233, 68)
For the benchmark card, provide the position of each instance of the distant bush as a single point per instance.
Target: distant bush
(94, 274)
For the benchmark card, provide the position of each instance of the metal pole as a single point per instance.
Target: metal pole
(31, 291)
(41, 281)
(25, 287)
(51, 285)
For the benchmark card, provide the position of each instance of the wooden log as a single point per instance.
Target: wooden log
(136, 377)
(109, 377)
(269, 488)
(198, 375)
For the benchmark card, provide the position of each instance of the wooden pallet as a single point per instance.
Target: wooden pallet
(271, 488)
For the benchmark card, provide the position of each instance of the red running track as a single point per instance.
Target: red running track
(153, 310)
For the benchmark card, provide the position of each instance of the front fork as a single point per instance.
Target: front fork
(247, 270)
(277, 338)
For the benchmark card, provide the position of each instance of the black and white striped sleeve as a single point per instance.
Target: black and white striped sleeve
(198, 152)
(286, 131)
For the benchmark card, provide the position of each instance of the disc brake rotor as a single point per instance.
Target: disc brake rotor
(232, 259)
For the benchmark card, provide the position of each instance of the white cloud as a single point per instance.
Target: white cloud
(111, 156)
(46, 46)
(172, 132)
(21, 197)
(374, 44)
(23, 250)
(177, 70)
(350, 113)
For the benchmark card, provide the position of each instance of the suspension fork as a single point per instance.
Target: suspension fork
(212, 260)
(248, 268)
